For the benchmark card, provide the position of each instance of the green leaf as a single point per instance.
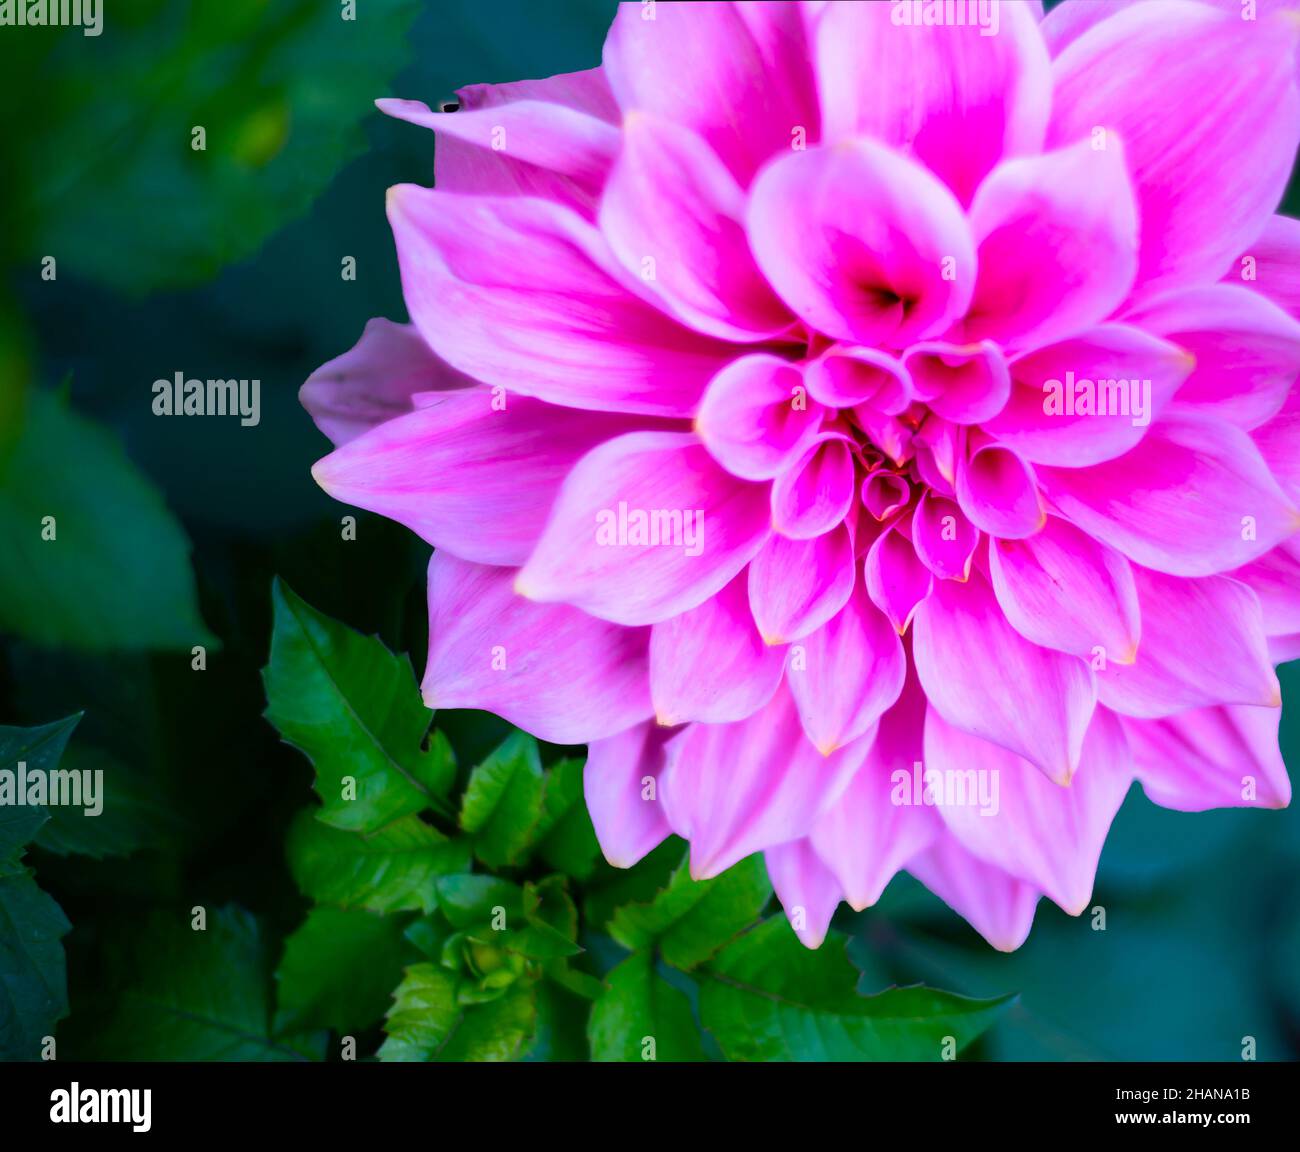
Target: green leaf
(117, 573)
(564, 836)
(133, 816)
(40, 749)
(353, 708)
(33, 977)
(471, 901)
(201, 995)
(280, 90)
(427, 1021)
(641, 1017)
(766, 997)
(389, 870)
(502, 805)
(339, 969)
(690, 920)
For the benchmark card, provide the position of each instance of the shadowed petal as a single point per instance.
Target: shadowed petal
(795, 586)
(807, 889)
(375, 380)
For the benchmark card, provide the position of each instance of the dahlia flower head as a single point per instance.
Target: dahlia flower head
(872, 429)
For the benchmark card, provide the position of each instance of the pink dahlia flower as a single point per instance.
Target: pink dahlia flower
(873, 433)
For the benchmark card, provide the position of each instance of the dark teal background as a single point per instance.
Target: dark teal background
(1202, 940)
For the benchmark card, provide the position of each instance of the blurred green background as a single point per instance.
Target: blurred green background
(226, 264)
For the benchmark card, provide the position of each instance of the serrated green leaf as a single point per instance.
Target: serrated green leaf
(33, 977)
(392, 869)
(428, 1023)
(691, 919)
(338, 970)
(353, 709)
(502, 806)
(201, 995)
(118, 579)
(565, 838)
(641, 1017)
(767, 997)
(40, 748)
(280, 90)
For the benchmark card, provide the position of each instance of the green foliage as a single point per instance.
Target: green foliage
(519, 941)
(116, 574)
(502, 807)
(201, 994)
(33, 972)
(639, 1009)
(353, 709)
(279, 91)
(390, 870)
(766, 997)
(339, 969)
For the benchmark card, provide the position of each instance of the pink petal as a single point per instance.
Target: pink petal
(1209, 147)
(1278, 442)
(1007, 812)
(1247, 349)
(1089, 398)
(548, 669)
(815, 494)
(943, 538)
(1057, 237)
(645, 527)
(997, 905)
(958, 98)
(674, 216)
(846, 674)
(1192, 499)
(710, 663)
(982, 676)
(897, 580)
(735, 789)
(795, 586)
(806, 888)
(1275, 579)
(1176, 669)
(999, 493)
(884, 493)
(737, 74)
(756, 418)
(525, 294)
(845, 377)
(1062, 589)
(875, 235)
(555, 137)
(621, 785)
(874, 829)
(374, 380)
(468, 471)
(461, 166)
(1271, 264)
(1212, 758)
(965, 383)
